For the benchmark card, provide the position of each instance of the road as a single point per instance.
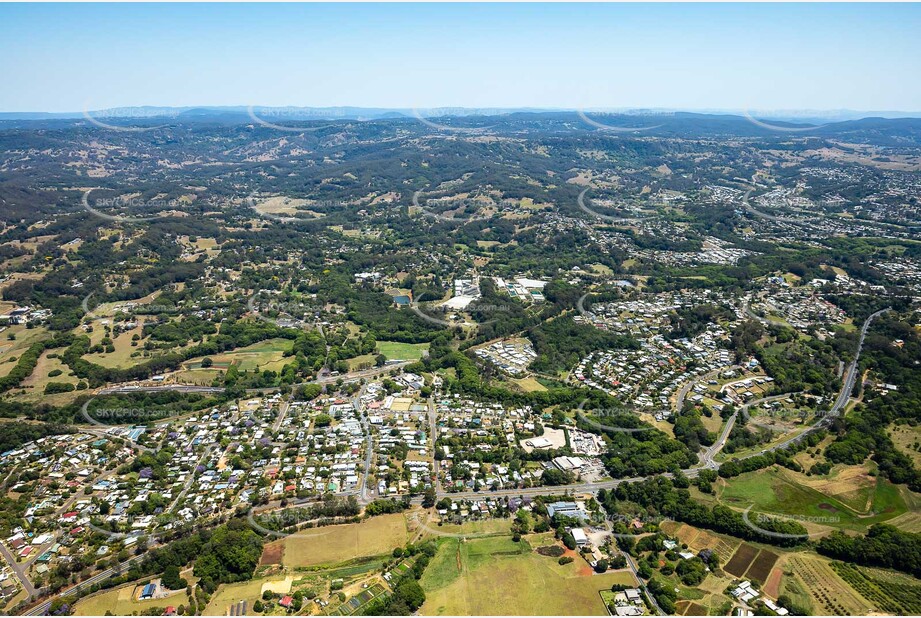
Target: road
(20, 570)
(846, 387)
(357, 375)
(632, 566)
(42, 608)
(194, 388)
(282, 412)
(744, 409)
(683, 392)
(746, 307)
(708, 457)
(363, 494)
(191, 479)
(433, 432)
(182, 388)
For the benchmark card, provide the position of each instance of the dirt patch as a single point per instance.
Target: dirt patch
(761, 567)
(772, 585)
(741, 560)
(272, 554)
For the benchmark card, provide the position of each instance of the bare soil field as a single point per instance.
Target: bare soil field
(742, 559)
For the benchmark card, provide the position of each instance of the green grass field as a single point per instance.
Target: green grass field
(496, 576)
(394, 350)
(121, 602)
(228, 594)
(847, 504)
(10, 350)
(268, 354)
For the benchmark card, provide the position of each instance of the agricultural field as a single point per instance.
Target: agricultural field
(750, 562)
(708, 598)
(894, 592)
(359, 362)
(496, 576)
(698, 540)
(395, 350)
(829, 593)
(336, 544)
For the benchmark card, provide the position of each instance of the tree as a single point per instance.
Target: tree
(206, 362)
(569, 541)
(172, 580)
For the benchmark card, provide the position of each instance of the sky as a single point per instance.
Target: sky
(74, 57)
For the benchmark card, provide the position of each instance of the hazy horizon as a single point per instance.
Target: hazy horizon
(485, 110)
(689, 57)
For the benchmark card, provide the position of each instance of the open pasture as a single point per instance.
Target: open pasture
(496, 576)
(337, 544)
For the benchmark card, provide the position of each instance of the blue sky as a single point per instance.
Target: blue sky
(784, 56)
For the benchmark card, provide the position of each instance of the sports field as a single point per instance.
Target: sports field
(496, 576)
(395, 350)
(336, 544)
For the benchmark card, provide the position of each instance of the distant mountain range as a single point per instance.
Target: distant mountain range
(279, 114)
